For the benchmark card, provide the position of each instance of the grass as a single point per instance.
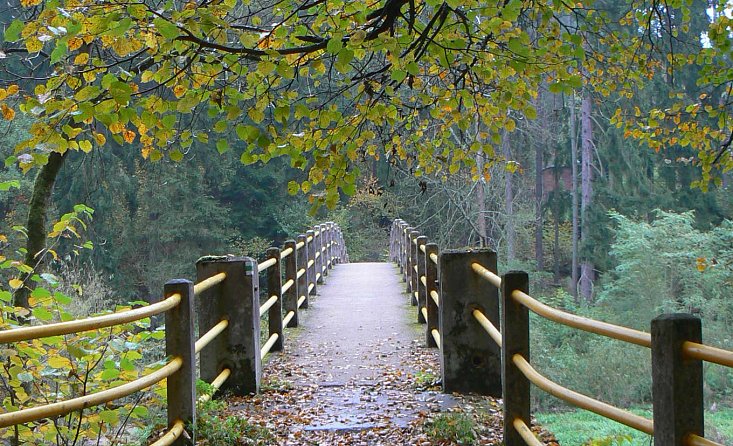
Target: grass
(580, 427)
(452, 427)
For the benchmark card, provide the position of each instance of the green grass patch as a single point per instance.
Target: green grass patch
(580, 427)
(452, 427)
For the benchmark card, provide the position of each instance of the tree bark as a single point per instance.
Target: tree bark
(539, 164)
(586, 172)
(508, 202)
(36, 221)
(574, 195)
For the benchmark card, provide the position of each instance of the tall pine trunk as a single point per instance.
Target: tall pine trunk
(574, 195)
(539, 164)
(508, 201)
(586, 195)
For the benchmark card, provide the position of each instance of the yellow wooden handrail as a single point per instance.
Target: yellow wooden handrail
(486, 274)
(286, 286)
(422, 248)
(693, 350)
(696, 440)
(266, 306)
(301, 299)
(288, 317)
(299, 245)
(172, 435)
(300, 273)
(285, 252)
(488, 326)
(424, 312)
(216, 384)
(526, 433)
(94, 399)
(579, 400)
(436, 336)
(90, 323)
(268, 345)
(210, 335)
(434, 258)
(582, 323)
(436, 297)
(266, 264)
(208, 283)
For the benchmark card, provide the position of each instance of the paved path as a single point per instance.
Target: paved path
(357, 369)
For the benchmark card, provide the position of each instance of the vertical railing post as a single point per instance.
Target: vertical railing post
(414, 280)
(392, 230)
(421, 288)
(179, 342)
(324, 250)
(677, 382)
(303, 265)
(290, 297)
(470, 360)
(311, 249)
(237, 300)
(515, 341)
(331, 241)
(406, 254)
(274, 288)
(319, 255)
(431, 276)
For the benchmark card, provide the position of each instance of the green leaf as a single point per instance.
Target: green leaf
(120, 92)
(176, 155)
(334, 45)
(6, 185)
(12, 32)
(40, 293)
(398, 75)
(59, 52)
(293, 187)
(222, 146)
(166, 29)
(42, 314)
(6, 296)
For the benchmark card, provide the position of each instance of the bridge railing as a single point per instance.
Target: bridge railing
(229, 311)
(469, 300)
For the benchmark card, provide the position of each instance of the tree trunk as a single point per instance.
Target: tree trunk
(586, 266)
(36, 222)
(508, 202)
(481, 199)
(574, 195)
(556, 221)
(539, 164)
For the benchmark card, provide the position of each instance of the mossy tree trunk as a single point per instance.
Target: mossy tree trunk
(36, 221)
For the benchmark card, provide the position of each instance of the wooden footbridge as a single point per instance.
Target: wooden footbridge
(475, 318)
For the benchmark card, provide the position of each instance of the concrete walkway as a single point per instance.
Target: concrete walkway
(357, 366)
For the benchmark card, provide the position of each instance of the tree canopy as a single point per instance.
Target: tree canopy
(330, 82)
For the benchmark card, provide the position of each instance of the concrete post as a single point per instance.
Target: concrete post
(677, 382)
(179, 342)
(414, 280)
(237, 300)
(471, 361)
(311, 247)
(421, 289)
(431, 276)
(290, 297)
(515, 340)
(302, 261)
(274, 288)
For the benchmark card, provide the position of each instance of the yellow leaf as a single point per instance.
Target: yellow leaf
(8, 113)
(33, 45)
(3, 94)
(146, 151)
(510, 125)
(129, 136)
(13, 89)
(116, 127)
(179, 90)
(85, 146)
(59, 362)
(100, 139)
(15, 283)
(81, 59)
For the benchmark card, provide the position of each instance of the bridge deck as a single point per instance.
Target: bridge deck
(349, 374)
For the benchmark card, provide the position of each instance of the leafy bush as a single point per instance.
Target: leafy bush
(58, 368)
(453, 427)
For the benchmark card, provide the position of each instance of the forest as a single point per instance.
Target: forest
(587, 143)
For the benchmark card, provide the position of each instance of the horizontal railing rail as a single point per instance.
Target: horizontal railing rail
(675, 341)
(228, 287)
